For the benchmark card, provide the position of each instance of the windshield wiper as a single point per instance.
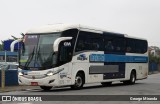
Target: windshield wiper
(38, 56)
(30, 58)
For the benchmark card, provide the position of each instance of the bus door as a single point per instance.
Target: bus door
(64, 60)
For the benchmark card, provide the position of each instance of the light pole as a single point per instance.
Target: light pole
(2, 78)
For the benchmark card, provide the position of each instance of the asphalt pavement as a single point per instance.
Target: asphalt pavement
(17, 88)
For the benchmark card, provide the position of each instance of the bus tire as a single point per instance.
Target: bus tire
(46, 88)
(79, 82)
(106, 83)
(132, 78)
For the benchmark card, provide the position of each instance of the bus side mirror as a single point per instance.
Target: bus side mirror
(58, 41)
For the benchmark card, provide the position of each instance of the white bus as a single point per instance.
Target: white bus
(74, 55)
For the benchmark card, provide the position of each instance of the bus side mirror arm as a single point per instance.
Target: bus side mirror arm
(13, 44)
(57, 41)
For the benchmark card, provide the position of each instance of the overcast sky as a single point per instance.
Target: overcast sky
(140, 18)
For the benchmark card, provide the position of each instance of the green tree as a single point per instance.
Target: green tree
(1, 47)
(153, 58)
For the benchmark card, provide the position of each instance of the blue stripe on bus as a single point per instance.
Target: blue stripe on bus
(117, 58)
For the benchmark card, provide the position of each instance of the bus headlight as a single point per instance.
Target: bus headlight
(49, 73)
(20, 73)
(54, 72)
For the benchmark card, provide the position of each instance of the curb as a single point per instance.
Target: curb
(155, 72)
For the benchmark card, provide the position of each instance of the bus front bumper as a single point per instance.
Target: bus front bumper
(46, 81)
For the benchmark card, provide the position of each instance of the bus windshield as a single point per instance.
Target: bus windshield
(37, 51)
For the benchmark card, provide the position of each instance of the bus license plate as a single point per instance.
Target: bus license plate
(34, 83)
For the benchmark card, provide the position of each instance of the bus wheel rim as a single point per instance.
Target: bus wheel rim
(78, 81)
(133, 78)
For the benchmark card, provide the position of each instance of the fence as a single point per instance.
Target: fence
(154, 67)
(11, 77)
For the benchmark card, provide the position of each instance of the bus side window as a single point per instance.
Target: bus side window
(130, 45)
(95, 46)
(65, 53)
(128, 49)
(109, 46)
(80, 46)
(89, 41)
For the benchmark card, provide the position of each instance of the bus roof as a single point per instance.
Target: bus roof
(133, 37)
(62, 27)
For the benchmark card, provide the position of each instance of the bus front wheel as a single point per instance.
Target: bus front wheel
(46, 88)
(79, 82)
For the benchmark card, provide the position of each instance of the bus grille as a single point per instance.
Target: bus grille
(34, 76)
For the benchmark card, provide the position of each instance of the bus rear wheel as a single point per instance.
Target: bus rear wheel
(46, 88)
(79, 82)
(132, 79)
